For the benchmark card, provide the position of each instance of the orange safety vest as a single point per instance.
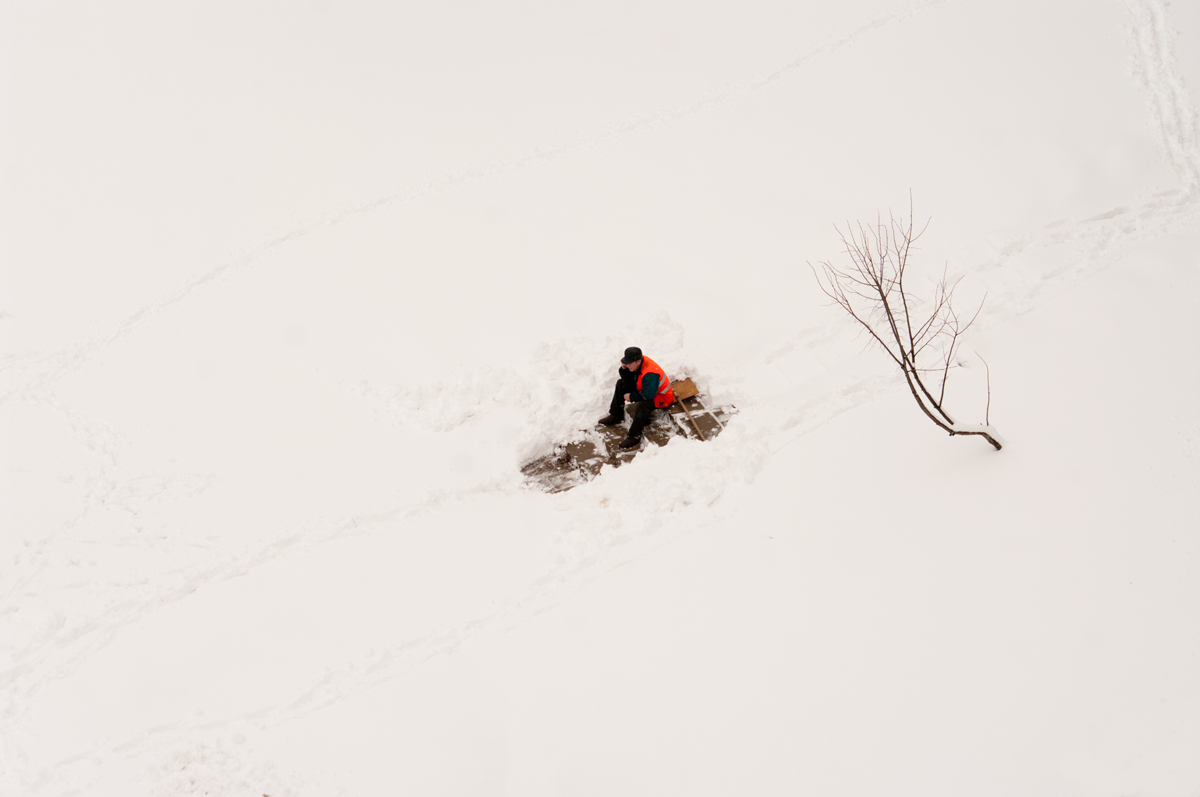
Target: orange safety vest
(665, 396)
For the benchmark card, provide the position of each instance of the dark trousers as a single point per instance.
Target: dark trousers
(641, 411)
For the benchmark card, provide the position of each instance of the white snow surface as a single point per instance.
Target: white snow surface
(289, 292)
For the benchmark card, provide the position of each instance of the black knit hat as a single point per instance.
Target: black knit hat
(632, 354)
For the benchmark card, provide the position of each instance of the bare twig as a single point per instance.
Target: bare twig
(871, 290)
(987, 413)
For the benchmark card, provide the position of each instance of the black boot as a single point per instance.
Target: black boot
(611, 419)
(631, 442)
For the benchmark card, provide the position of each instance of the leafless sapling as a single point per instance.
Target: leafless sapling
(872, 289)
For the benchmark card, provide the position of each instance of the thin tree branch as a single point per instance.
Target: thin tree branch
(873, 292)
(987, 413)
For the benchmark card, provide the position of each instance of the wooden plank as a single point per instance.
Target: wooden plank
(684, 389)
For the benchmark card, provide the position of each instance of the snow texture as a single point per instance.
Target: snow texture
(290, 292)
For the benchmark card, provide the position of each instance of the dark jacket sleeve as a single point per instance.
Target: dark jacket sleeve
(649, 387)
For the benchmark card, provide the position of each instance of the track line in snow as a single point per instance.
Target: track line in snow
(367, 671)
(1087, 243)
(594, 540)
(1172, 110)
(1080, 248)
(1090, 241)
(29, 372)
(597, 549)
(68, 645)
(28, 377)
(63, 646)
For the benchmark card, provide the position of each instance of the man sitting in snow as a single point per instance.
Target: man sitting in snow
(643, 384)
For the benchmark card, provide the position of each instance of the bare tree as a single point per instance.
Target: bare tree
(871, 289)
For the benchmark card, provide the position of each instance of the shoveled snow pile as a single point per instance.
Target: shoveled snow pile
(292, 293)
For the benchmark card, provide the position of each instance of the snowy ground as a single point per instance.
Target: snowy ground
(290, 292)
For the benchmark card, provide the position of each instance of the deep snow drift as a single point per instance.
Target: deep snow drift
(289, 295)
